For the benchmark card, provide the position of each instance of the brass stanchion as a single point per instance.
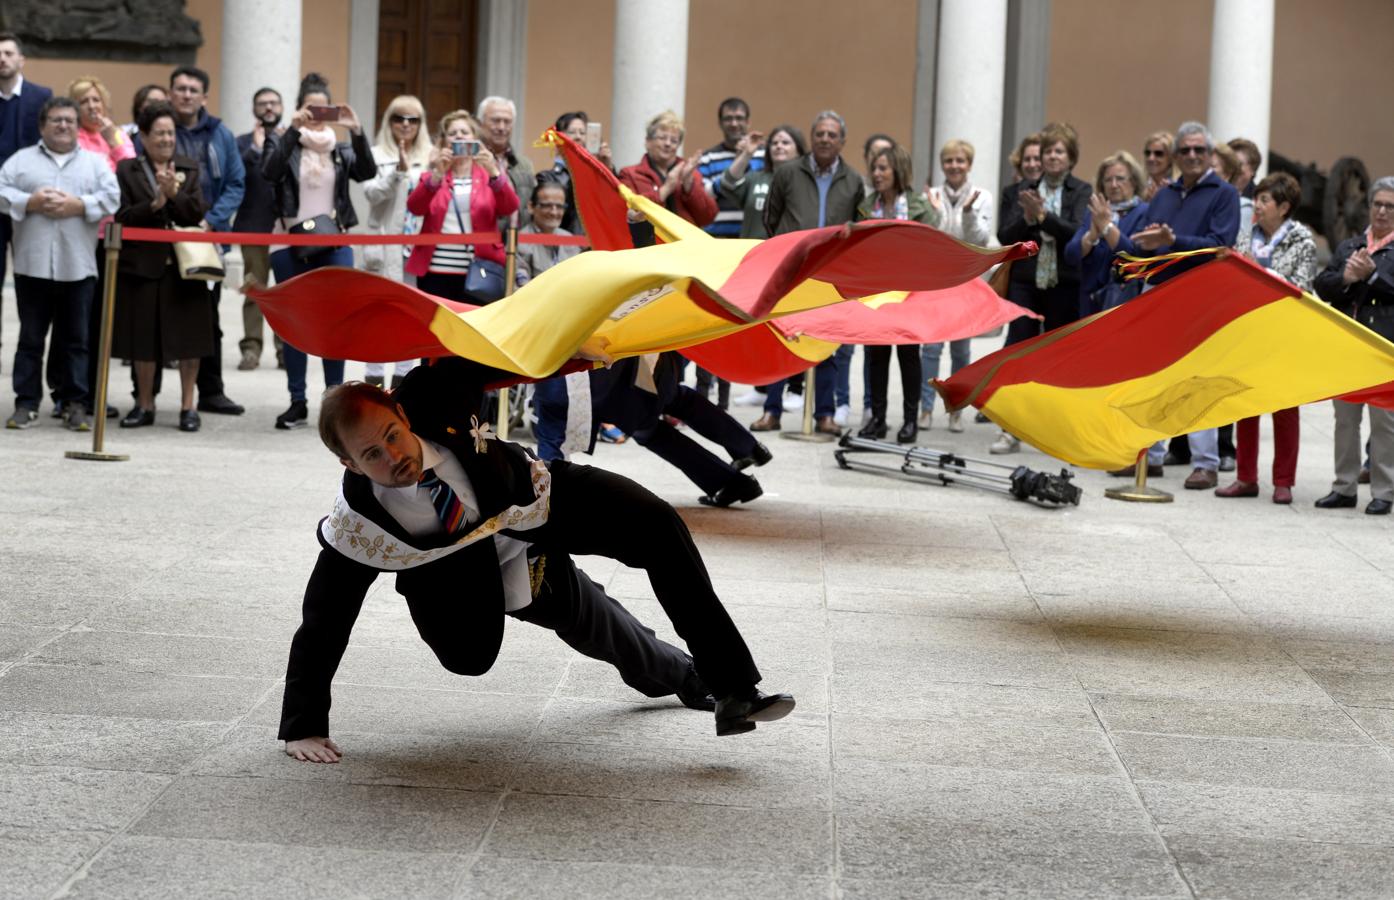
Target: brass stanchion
(510, 270)
(808, 434)
(1139, 492)
(103, 363)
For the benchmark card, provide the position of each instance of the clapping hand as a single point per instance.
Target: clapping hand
(1154, 236)
(1100, 215)
(402, 164)
(1359, 266)
(750, 142)
(1032, 206)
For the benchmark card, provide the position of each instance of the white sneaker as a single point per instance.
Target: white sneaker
(749, 398)
(926, 419)
(1005, 443)
(956, 421)
(840, 415)
(793, 402)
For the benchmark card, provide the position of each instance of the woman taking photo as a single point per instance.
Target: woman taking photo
(1285, 247)
(462, 186)
(1115, 211)
(892, 198)
(401, 152)
(309, 168)
(159, 315)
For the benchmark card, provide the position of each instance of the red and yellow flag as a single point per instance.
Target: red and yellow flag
(1225, 341)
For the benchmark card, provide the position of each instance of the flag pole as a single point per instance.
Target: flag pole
(103, 362)
(1139, 492)
(510, 271)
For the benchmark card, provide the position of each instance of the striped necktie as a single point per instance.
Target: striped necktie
(448, 506)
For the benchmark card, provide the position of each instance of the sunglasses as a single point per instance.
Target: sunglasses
(1191, 151)
(1157, 154)
(398, 119)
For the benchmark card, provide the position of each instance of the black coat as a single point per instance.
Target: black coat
(257, 214)
(1012, 227)
(280, 166)
(1358, 299)
(141, 258)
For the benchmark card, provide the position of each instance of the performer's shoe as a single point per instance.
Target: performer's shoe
(1378, 508)
(694, 692)
(738, 713)
(758, 457)
(907, 433)
(1334, 500)
(741, 489)
(875, 428)
(138, 418)
(766, 422)
(1154, 470)
(221, 404)
(1238, 489)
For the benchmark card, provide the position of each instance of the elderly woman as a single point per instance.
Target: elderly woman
(1049, 212)
(98, 133)
(1158, 158)
(309, 168)
(666, 179)
(401, 152)
(159, 315)
(893, 198)
(458, 190)
(1286, 248)
(1116, 210)
(963, 210)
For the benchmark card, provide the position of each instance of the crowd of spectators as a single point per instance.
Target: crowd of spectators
(66, 168)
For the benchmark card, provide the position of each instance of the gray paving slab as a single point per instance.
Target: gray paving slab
(993, 700)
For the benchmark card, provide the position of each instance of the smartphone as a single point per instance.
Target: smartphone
(324, 113)
(457, 148)
(472, 148)
(593, 137)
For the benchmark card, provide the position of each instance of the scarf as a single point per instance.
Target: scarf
(1123, 206)
(1375, 246)
(951, 213)
(1047, 265)
(316, 165)
(1261, 251)
(901, 212)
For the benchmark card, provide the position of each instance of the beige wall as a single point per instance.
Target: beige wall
(1323, 57)
(324, 49)
(571, 56)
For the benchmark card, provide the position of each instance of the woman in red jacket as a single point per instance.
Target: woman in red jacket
(464, 191)
(664, 178)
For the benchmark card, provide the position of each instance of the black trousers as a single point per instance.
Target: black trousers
(466, 638)
(911, 378)
(707, 470)
(1059, 305)
(210, 368)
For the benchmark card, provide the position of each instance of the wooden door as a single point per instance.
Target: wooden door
(426, 48)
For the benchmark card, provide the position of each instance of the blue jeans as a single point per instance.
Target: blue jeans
(66, 306)
(842, 368)
(286, 266)
(1205, 450)
(960, 352)
(550, 403)
(824, 381)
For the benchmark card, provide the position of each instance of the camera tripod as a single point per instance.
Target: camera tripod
(925, 464)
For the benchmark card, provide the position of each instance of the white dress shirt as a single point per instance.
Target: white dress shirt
(411, 506)
(45, 247)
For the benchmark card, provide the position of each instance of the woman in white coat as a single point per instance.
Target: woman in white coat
(401, 151)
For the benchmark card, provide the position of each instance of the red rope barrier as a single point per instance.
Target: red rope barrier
(164, 236)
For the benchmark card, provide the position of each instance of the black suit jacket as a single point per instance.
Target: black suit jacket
(1351, 299)
(141, 258)
(439, 401)
(1012, 226)
(31, 99)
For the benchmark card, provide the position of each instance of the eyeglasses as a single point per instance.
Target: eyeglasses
(1154, 154)
(398, 119)
(1191, 151)
(1380, 207)
(550, 205)
(1117, 179)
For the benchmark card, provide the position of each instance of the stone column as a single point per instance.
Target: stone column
(501, 62)
(922, 118)
(1241, 71)
(261, 48)
(1028, 74)
(969, 84)
(650, 71)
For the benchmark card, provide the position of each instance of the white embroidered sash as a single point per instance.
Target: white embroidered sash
(363, 540)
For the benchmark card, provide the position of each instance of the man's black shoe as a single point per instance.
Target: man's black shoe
(1378, 508)
(741, 489)
(694, 692)
(1334, 500)
(738, 714)
(758, 457)
(219, 403)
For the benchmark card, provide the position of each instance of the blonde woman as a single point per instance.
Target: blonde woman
(1158, 159)
(96, 131)
(402, 151)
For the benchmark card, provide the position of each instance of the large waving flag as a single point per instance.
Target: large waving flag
(1222, 342)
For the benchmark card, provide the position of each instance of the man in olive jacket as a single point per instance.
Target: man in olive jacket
(820, 190)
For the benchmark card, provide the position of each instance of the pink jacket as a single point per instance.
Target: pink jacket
(432, 203)
(92, 140)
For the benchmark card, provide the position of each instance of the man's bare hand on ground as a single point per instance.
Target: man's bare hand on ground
(314, 749)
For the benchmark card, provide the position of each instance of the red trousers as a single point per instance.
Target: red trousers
(1286, 428)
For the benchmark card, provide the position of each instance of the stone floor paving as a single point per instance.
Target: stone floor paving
(995, 700)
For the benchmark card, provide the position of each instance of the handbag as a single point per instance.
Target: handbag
(198, 261)
(320, 224)
(485, 280)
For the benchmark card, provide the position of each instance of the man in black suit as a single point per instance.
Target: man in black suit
(20, 102)
(475, 528)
